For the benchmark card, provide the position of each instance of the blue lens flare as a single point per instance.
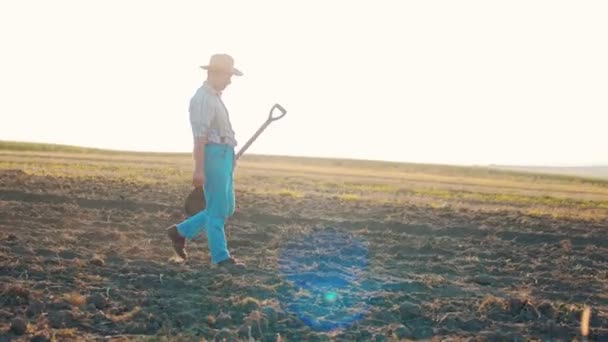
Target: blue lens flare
(326, 268)
(331, 296)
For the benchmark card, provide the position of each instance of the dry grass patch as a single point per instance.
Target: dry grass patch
(123, 317)
(290, 193)
(349, 197)
(75, 299)
(492, 304)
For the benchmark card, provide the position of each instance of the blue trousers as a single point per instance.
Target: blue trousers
(219, 194)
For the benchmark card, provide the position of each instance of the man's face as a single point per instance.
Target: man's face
(222, 80)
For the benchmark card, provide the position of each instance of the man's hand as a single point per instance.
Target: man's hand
(198, 178)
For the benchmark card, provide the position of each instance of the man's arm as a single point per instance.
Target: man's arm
(200, 120)
(198, 155)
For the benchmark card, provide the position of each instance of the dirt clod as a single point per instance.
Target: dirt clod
(61, 319)
(409, 310)
(528, 313)
(17, 294)
(5, 314)
(515, 305)
(546, 310)
(223, 320)
(41, 337)
(423, 331)
(483, 279)
(379, 338)
(98, 301)
(566, 246)
(34, 308)
(270, 313)
(225, 335)
(97, 261)
(402, 332)
(18, 326)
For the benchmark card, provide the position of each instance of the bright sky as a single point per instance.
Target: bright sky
(458, 82)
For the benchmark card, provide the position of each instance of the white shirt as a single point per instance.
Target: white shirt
(209, 117)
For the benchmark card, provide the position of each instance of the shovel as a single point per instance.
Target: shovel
(195, 201)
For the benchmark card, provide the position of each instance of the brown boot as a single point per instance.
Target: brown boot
(232, 265)
(179, 242)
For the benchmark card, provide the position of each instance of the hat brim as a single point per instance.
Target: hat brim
(234, 71)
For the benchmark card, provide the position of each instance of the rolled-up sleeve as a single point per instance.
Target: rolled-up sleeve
(202, 112)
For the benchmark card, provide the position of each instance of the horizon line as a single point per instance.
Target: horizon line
(489, 165)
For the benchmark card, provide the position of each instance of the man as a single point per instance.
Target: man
(213, 153)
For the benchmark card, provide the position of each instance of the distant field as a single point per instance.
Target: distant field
(420, 184)
(600, 172)
(446, 252)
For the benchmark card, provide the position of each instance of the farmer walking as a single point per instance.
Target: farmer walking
(214, 157)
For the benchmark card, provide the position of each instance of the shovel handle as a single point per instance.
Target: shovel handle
(270, 119)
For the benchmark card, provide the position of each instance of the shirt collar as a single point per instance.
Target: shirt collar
(208, 87)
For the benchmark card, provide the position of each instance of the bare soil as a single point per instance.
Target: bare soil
(89, 260)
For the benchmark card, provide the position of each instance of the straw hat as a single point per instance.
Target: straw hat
(222, 62)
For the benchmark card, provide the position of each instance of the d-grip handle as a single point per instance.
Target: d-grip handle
(271, 117)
